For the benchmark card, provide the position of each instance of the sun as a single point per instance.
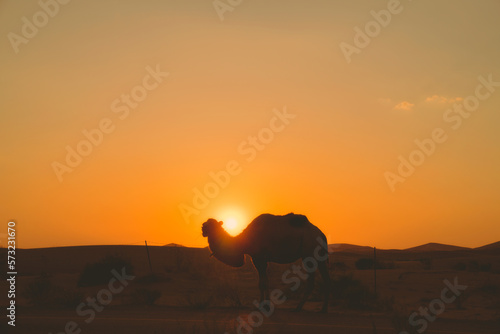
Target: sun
(231, 223)
(234, 220)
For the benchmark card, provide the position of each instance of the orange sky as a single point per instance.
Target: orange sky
(91, 66)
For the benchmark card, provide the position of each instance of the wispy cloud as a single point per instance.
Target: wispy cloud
(405, 105)
(442, 99)
(408, 106)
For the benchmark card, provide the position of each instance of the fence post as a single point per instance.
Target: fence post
(375, 268)
(149, 259)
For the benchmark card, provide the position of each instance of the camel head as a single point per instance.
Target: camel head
(210, 226)
(223, 246)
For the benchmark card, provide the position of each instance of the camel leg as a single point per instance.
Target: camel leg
(323, 270)
(261, 267)
(307, 292)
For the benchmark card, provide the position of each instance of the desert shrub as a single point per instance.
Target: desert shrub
(367, 263)
(489, 289)
(473, 266)
(69, 298)
(486, 267)
(198, 301)
(399, 316)
(145, 296)
(339, 266)
(426, 263)
(386, 265)
(318, 292)
(459, 266)
(401, 324)
(40, 291)
(229, 293)
(364, 264)
(351, 291)
(476, 266)
(101, 272)
(181, 261)
(459, 301)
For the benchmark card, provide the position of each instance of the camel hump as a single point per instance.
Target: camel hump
(297, 220)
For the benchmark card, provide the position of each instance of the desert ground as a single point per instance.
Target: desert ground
(187, 291)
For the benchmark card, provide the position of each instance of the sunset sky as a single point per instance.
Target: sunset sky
(329, 125)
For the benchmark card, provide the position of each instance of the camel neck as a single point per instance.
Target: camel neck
(226, 248)
(220, 239)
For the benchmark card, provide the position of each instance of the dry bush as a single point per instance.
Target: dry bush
(352, 293)
(400, 323)
(198, 301)
(229, 293)
(368, 263)
(144, 296)
(41, 291)
(69, 298)
(100, 272)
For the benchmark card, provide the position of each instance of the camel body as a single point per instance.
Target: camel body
(271, 238)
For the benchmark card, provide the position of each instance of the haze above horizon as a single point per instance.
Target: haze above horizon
(128, 121)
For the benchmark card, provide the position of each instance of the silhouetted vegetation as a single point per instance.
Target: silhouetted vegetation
(364, 264)
(426, 263)
(490, 289)
(473, 266)
(460, 266)
(43, 292)
(68, 298)
(101, 272)
(339, 266)
(40, 291)
(351, 292)
(476, 266)
(181, 262)
(229, 293)
(401, 324)
(368, 263)
(145, 296)
(459, 301)
(198, 301)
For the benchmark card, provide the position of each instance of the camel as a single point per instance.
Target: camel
(270, 238)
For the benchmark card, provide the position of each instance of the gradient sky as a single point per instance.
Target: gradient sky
(353, 120)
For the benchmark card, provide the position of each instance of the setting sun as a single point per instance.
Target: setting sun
(234, 220)
(231, 223)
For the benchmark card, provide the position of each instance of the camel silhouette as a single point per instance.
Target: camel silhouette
(270, 238)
